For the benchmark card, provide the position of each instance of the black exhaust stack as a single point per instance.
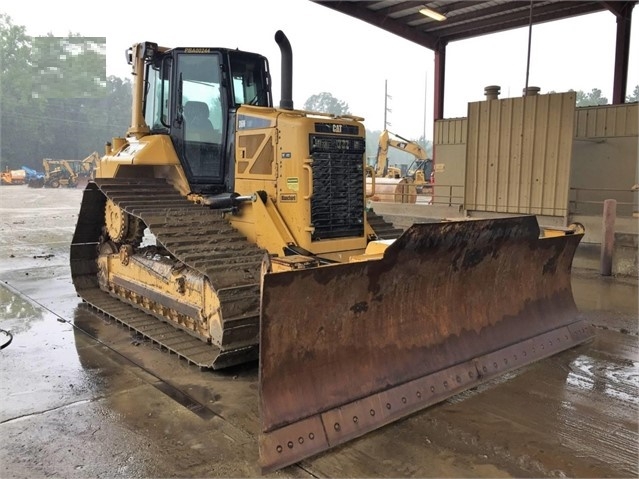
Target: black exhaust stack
(286, 100)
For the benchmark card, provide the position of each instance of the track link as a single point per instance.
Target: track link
(198, 237)
(383, 229)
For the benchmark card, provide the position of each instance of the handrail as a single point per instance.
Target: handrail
(578, 193)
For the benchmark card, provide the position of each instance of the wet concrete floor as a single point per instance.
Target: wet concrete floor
(83, 397)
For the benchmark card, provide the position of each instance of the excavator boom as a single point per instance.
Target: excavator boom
(390, 184)
(388, 140)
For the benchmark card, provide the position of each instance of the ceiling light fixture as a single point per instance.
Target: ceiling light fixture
(432, 14)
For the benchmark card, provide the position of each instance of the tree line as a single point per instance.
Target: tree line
(56, 100)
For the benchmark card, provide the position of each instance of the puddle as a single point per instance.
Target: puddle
(201, 410)
(605, 294)
(617, 381)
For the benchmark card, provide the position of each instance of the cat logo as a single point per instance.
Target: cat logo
(288, 197)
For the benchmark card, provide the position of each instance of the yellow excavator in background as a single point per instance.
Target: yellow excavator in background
(419, 171)
(390, 184)
(388, 140)
(259, 246)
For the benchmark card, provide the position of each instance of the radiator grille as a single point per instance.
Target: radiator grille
(337, 206)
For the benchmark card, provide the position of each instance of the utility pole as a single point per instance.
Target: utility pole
(386, 109)
(425, 106)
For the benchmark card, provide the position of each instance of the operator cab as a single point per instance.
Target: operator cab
(192, 95)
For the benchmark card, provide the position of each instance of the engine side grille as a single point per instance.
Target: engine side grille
(337, 206)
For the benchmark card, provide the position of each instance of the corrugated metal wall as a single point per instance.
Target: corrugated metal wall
(604, 160)
(607, 121)
(451, 131)
(450, 161)
(518, 154)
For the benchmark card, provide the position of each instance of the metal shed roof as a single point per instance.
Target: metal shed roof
(466, 19)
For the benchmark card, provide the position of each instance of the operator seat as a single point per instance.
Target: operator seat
(202, 142)
(198, 127)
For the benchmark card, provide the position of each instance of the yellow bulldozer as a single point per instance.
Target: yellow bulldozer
(229, 230)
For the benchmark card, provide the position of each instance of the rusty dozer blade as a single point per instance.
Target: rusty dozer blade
(345, 349)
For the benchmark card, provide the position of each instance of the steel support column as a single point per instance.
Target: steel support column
(622, 53)
(440, 76)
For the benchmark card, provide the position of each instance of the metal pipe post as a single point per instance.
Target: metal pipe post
(608, 237)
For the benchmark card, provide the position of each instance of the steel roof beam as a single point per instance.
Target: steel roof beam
(517, 20)
(359, 10)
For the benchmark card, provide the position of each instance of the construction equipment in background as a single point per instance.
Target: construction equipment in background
(261, 237)
(388, 140)
(67, 173)
(33, 178)
(13, 177)
(419, 171)
(390, 184)
(85, 169)
(59, 173)
(392, 190)
(422, 174)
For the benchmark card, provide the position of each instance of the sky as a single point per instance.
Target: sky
(350, 59)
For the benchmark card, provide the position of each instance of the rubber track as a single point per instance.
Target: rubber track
(195, 235)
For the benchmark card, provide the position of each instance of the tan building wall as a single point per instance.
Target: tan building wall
(518, 154)
(450, 161)
(548, 158)
(605, 159)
